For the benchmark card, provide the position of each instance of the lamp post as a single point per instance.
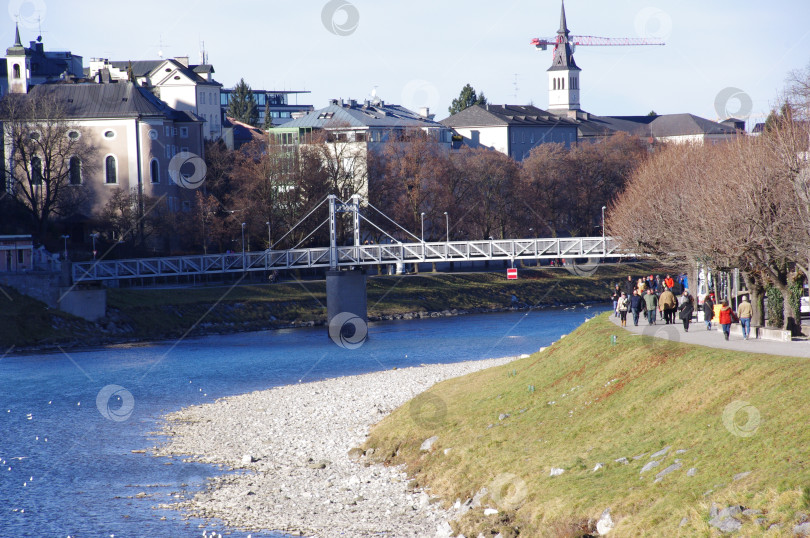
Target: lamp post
(604, 245)
(66, 237)
(94, 244)
(269, 240)
(423, 226)
(447, 223)
(243, 246)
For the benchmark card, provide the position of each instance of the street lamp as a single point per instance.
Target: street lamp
(603, 222)
(94, 244)
(269, 240)
(66, 237)
(423, 226)
(243, 246)
(447, 222)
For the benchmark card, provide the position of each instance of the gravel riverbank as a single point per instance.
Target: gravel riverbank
(294, 442)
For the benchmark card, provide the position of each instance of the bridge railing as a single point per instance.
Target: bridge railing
(347, 256)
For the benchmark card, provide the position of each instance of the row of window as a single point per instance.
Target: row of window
(75, 170)
(211, 99)
(558, 83)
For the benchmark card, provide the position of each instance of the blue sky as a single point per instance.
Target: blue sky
(421, 52)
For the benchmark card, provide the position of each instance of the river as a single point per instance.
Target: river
(71, 420)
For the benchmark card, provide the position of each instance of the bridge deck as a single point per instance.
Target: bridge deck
(348, 256)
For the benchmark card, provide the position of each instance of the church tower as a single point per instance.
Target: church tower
(18, 66)
(563, 75)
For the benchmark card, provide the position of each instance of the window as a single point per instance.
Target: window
(153, 134)
(75, 170)
(154, 171)
(202, 98)
(360, 137)
(74, 135)
(34, 136)
(183, 132)
(36, 171)
(109, 134)
(167, 130)
(186, 206)
(110, 170)
(16, 71)
(554, 84)
(183, 149)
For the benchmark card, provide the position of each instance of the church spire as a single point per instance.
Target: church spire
(563, 54)
(17, 40)
(563, 26)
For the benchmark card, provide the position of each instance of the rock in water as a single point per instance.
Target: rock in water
(605, 523)
(427, 444)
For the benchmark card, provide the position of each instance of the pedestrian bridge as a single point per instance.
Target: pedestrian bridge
(348, 257)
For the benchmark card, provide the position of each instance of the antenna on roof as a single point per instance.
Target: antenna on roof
(203, 54)
(160, 46)
(39, 23)
(515, 84)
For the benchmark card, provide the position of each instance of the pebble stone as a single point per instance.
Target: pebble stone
(284, 431)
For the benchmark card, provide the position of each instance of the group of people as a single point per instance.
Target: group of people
(641, 297)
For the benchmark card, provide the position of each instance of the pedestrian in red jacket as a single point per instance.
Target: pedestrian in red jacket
(726, 316)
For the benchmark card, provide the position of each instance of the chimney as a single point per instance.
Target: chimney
(182, 60)
(424, 112)
(352, 103)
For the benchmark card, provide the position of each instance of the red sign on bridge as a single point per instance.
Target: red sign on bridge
(511, 273)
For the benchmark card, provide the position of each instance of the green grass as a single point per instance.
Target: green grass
(612, 401)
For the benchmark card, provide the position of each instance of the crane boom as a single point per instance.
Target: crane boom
(589, 40)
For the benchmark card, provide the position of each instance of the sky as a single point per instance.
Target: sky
(721, 57)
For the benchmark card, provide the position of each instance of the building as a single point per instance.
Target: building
(354, 129)
(273, 102)
(511, 129)
(134, 136)
(16, 253)
(182, 86)
(27, 66)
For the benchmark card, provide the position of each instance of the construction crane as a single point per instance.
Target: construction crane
(542, 43)
(573, 41)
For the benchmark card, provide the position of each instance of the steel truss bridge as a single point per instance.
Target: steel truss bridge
(335, 257)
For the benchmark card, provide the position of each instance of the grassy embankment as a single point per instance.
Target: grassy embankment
(151, 314)
(594, 402)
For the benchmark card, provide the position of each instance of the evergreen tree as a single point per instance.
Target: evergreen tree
(467, 98)
(652, 113)
(268, 121)
(242, 106)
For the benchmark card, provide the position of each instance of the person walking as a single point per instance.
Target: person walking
(745, 312)
(725, 318)
(708, 311)
(667, 304)
(686, 309)
(636, 306)
(622, 306)
(629, 286)
(615, 298)
(651, 302)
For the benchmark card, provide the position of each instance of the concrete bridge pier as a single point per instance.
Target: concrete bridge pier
(347, 307)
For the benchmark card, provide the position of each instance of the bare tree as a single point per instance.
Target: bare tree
(47, 157)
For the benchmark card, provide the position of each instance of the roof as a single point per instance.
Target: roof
(661, 126)
(563, 59)
(114, 100)
(143, 68)
(243, 132)
(505, 115)
(350, 113)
